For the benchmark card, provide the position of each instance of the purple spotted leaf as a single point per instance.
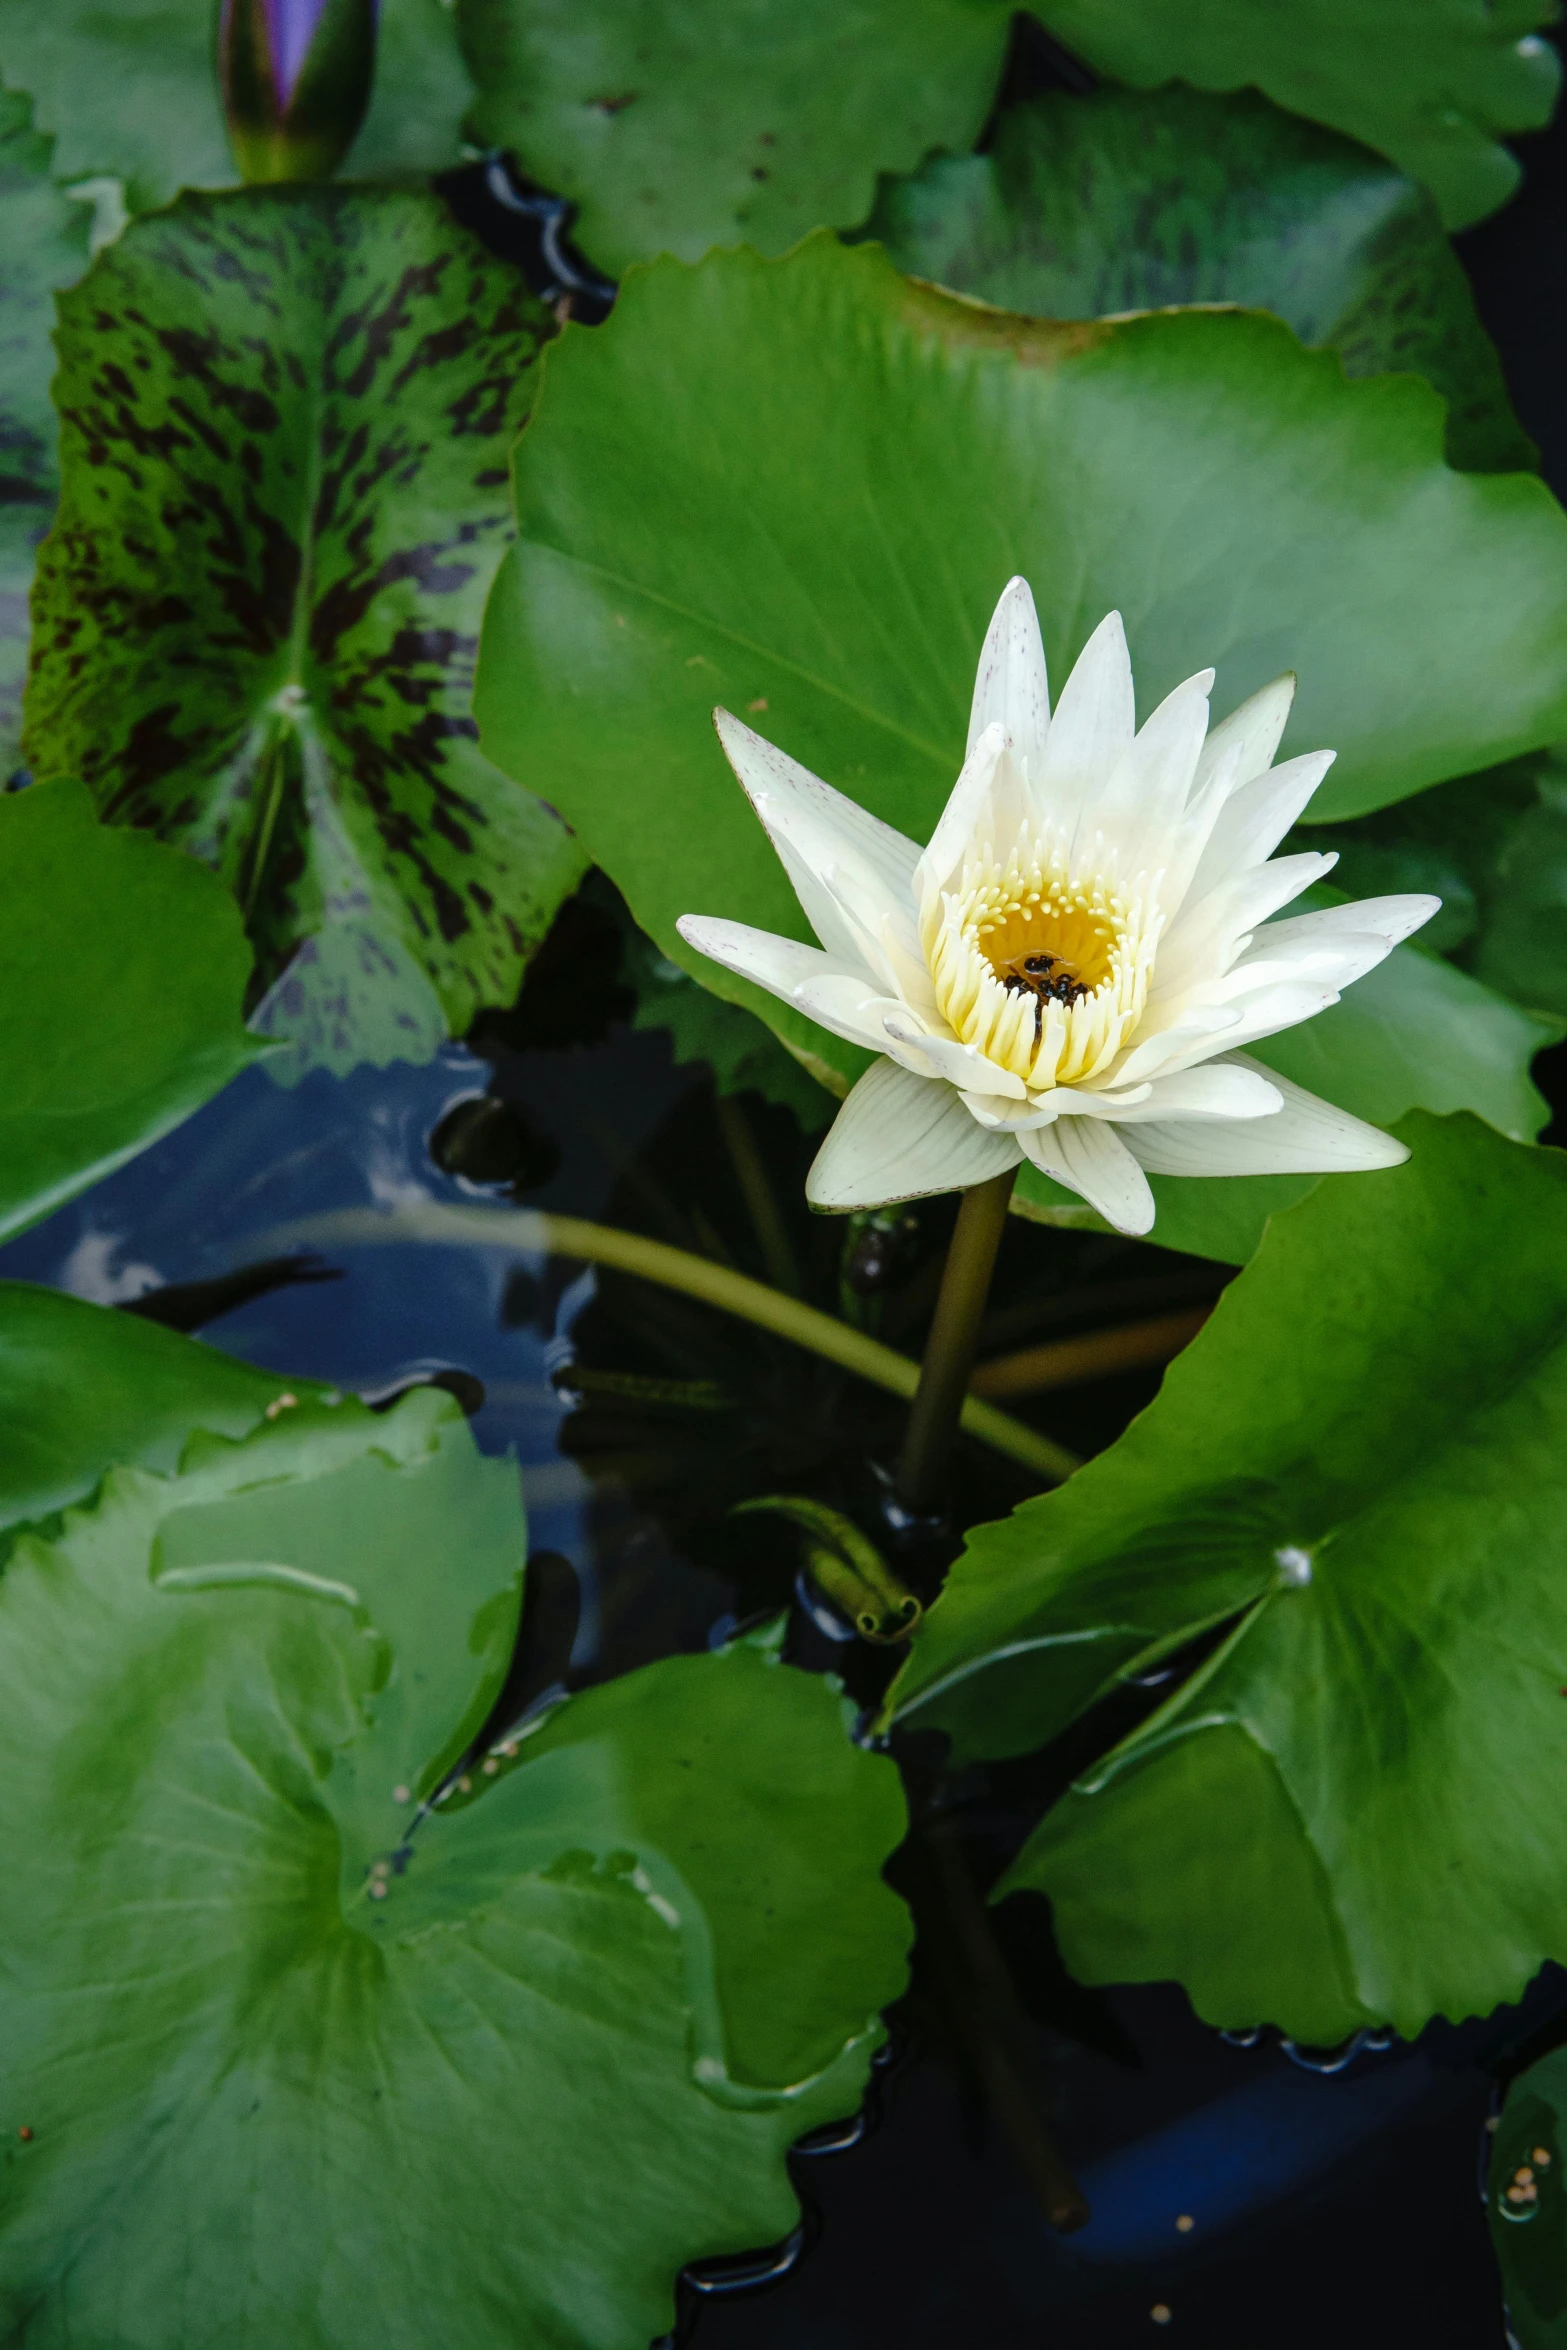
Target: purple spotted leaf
(285, 417)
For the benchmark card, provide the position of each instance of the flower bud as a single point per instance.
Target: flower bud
(296, 78)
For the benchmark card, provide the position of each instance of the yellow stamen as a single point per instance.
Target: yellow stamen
(1097, 932)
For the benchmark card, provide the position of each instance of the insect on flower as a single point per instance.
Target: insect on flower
(1069, 969)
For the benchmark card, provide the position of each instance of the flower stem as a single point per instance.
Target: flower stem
(939, 1400)
(531, 1231)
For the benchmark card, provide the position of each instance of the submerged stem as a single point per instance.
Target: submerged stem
(939, 1404)
(533, 1232)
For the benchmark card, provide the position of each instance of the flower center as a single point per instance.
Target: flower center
(1044, 970)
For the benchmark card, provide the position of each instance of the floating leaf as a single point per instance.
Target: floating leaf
(85, 1387)
(640, 1958)
(43, 245)
(1089, 207)
(122, 975)
(128, 89)
(1434, 84)
(674, 131)
(1527, 2204)
(1348, 1814)
(1231, 492)
(285, 416)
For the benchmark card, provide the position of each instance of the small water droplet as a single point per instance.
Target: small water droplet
(1293, 1563)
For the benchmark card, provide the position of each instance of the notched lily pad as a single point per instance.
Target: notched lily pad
(1309, 1832)
(1435, 84)
(517, 2061)
(676, 130)
(285, 422)
(1139, 200)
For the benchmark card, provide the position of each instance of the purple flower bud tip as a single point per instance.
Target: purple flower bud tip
(291, 27)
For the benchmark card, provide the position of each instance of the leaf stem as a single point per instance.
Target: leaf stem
(939, 1405)
(1093, 1354)
(534, 1233)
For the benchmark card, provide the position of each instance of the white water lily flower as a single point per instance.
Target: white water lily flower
(1068, 970)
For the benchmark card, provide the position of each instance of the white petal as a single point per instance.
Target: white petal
(1252, 821)
(902, 1137)
(849, 1002)
(778, 964)
(956, 824)
(1271, 1009)
(1214, 1089)
(1089, 1158)
(1390, 919)
(1095, 720)
(1142, 805)
(1163, 1048)
(1252, 732)
(1328, 962)
(848, 1006)
(1012, 690)
(866, 869)
(959, 1064)
(1210, 932)
(1306, 1137)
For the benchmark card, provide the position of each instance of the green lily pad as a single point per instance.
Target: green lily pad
(1229, 491)
(85, 1388)
(674, 130)
(1347, 1814)
(1132, 200)
(129, 91)
(122, 976)
(1435, 84)
(1529, 2231)
(641, 1956)
(285, 416)
(43, 246)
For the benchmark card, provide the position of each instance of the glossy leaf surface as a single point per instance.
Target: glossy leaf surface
(128, 89)
(1132, 200)
(674, 129)
(1432, 83)
(644, 1958)
(285, 416)
(1354, 1470)
(122, 977)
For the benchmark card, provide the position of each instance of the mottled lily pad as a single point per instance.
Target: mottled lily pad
(285, 422)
